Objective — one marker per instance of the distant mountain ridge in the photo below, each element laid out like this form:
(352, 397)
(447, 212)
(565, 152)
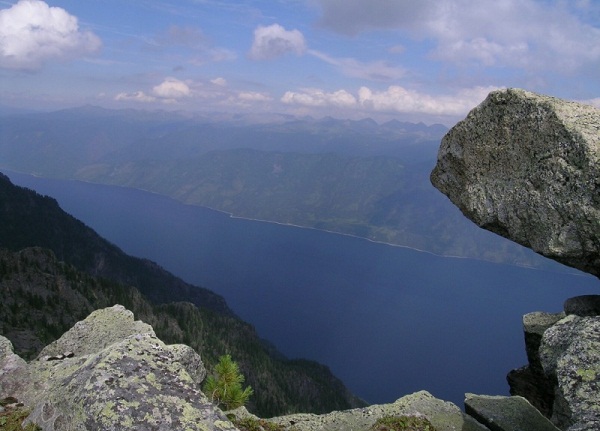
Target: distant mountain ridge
(354, 177)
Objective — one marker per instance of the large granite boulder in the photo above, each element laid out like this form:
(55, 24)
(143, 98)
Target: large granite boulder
(527, 167)
(110, 372)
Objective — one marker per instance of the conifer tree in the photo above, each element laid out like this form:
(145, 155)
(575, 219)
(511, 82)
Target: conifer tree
(225, 388)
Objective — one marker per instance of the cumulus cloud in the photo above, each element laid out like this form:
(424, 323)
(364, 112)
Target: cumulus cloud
(252, 96)
(169, 91)
(316, 97)
(274, 41)
(399, 99)
(394, 99)
(220, 81)
(530, 34)
(171, 88)
(32, 33)
(137, 96)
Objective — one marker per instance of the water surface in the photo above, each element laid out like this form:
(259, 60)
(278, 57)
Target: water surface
(387, 320)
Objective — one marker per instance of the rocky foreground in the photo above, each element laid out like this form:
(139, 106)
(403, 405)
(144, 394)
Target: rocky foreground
(110, 372)
(522, 165)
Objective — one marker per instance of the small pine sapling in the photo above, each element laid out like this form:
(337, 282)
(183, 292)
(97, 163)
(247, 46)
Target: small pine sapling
(225, 387)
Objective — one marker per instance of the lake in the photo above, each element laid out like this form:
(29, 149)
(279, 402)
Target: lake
(387, 320)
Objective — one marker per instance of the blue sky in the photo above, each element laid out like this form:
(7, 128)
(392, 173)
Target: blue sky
(425, 60)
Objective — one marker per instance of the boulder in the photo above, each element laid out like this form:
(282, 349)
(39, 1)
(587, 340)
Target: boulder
(526, 166)
(110, 372)
(13, 369)
(500, 413)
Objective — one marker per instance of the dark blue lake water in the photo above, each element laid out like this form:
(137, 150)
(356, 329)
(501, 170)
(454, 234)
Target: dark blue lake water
(387, 320)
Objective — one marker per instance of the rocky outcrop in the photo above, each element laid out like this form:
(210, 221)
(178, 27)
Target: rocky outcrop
(110, 372)
(563, 374)
(570, 356)
(527, 167)
(443, 415)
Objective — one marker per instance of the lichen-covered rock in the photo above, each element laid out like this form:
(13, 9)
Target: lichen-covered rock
(99, 330)
(501, 413)
(190, 360)
(443, 415)
(527, 167)
(570, 355)
(13, 369)
(117, 376)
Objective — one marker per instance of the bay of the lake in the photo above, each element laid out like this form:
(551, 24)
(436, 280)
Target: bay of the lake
(387, 320)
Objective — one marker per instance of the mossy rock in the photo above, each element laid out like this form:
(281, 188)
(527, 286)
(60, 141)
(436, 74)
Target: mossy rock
(402, 423)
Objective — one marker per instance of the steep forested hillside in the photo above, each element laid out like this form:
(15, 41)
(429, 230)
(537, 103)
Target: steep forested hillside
(71, 271)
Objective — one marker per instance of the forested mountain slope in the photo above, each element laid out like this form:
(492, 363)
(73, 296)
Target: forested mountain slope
(54, 271)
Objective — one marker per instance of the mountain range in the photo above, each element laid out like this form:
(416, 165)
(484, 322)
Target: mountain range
(353, 177)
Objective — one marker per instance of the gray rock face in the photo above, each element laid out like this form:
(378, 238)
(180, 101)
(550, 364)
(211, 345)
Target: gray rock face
(13, 369)
(117, 376)
(570, 356)
(531, 381)
(506, 413)
(527, 167)
(585, 305)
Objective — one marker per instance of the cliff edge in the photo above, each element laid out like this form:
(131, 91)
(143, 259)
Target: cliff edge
(527, 167)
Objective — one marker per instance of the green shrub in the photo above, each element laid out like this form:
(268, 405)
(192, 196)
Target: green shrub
(402, 423)
(12, 419)
(225, 388)
(252, 424)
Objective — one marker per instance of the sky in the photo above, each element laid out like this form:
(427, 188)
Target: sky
(420, 60)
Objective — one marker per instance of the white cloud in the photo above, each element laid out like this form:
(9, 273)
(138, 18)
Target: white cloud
(251, 96)
(394, 99)
(168, 92)
(171, 88)
(220, 81)
(399, 99)
(32, 33)
(137, 96)
(530, 34)
(274, 41)
(316, 97)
